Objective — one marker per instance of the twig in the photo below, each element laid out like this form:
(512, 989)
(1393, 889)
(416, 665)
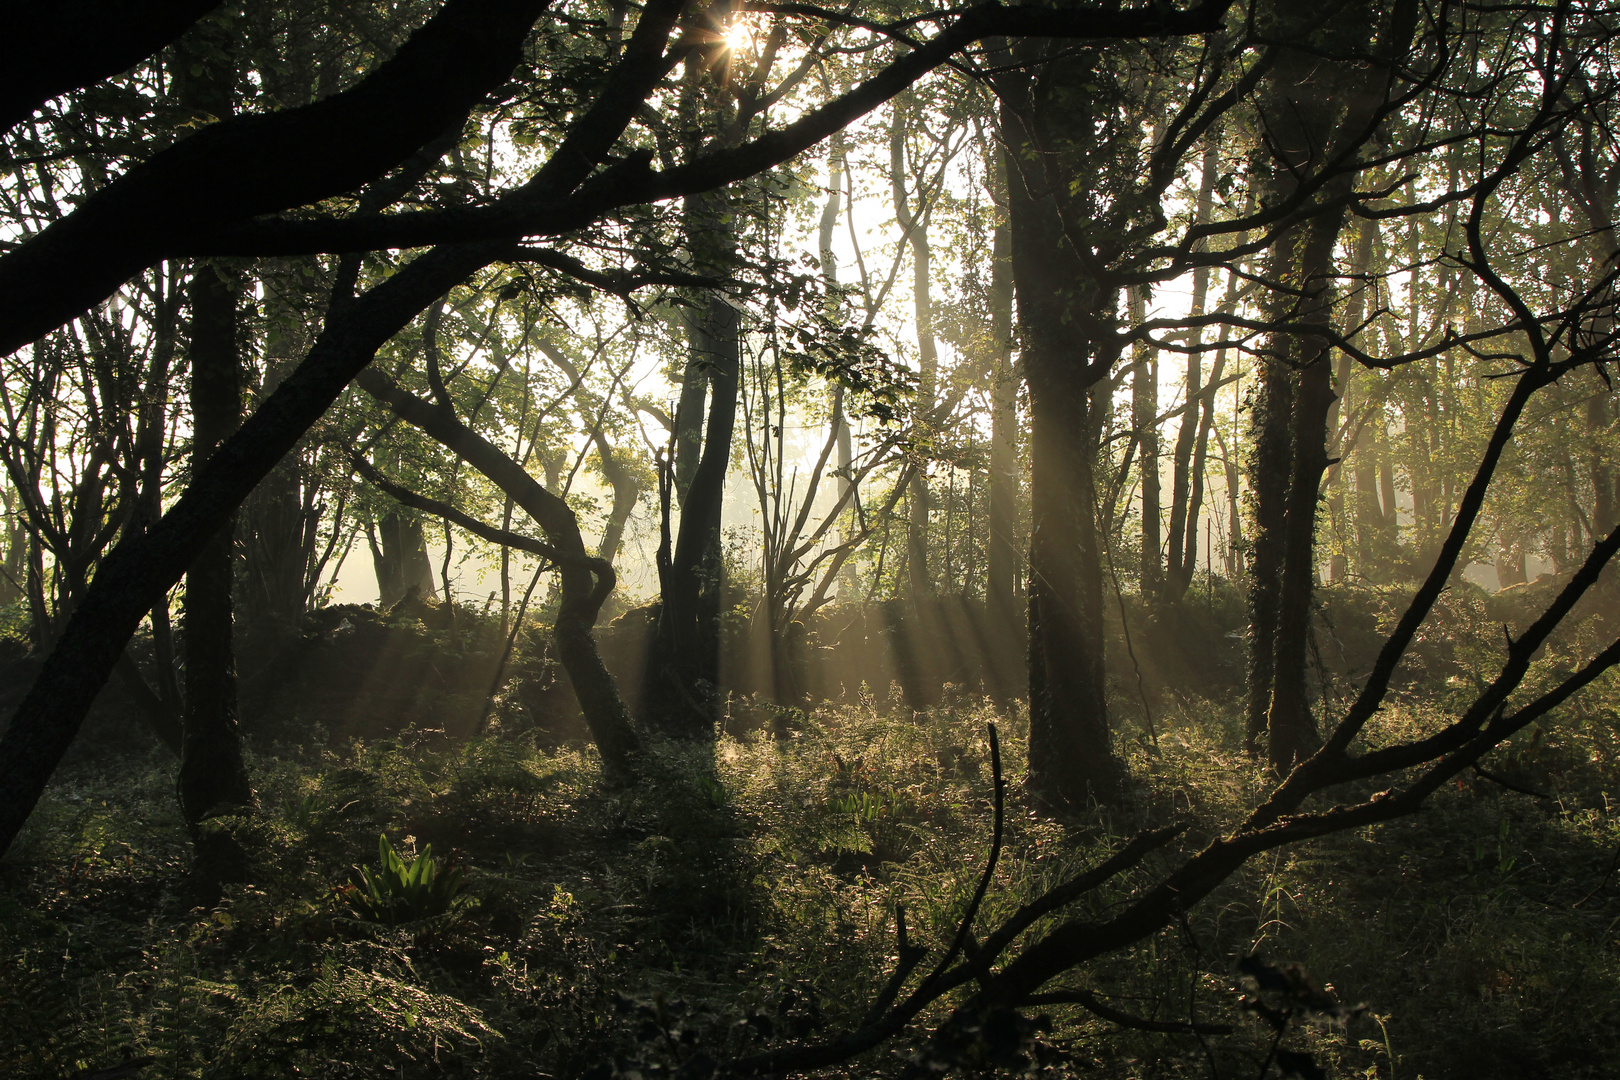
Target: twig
(1095, 1005)
(966, 927)
(910, 956)
(1510, 785)
(1604, 880)
(506, 654)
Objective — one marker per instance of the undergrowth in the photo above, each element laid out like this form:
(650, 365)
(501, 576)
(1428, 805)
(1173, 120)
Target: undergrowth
(748, 897)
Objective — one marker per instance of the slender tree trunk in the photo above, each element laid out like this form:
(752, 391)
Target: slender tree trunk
(1235, 543)
(1343, 445)
(1144, 420)
(1598, 422)
(689, 420)
(1186, 478)
(915, 225)
(844, 449)
(1002, 557)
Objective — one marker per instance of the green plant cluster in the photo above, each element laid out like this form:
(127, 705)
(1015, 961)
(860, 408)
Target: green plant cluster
(404, 890)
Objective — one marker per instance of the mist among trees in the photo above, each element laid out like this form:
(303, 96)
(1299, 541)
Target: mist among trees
(757, 539)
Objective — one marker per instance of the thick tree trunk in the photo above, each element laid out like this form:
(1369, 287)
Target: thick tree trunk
(213, 776)
(399, 558)
(1071, 758)
(1290, 725)
(1270, 453)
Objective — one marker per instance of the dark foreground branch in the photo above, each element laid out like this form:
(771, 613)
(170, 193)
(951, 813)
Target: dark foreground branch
(1097, 1007)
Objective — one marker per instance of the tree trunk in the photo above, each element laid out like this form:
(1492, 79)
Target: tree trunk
(1270, 453)
(843, 439)
(1290, 725)
(915, 226)
(1186, 475)
(1308, 125)
(689, 422)
(682, 680)
(1145, 423)
(212, 774)
(1002, 556)
(399, 557)
(1071, 758)
(586, 581)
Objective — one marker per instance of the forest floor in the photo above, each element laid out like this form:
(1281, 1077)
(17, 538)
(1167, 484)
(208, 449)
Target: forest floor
(747, 897)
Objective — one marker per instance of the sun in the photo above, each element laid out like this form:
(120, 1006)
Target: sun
(739, 35)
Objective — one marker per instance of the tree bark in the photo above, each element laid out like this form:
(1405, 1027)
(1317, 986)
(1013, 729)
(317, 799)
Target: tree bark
(1269, 467)
(682, 681)
(212, 773)
(213, 776)
(1071, 758)
(399, 558)
(914, 225)
(57, 47)
(1291, 728)
(1192, 435)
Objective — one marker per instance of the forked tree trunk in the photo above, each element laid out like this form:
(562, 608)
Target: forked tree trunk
(681, 695)
(1319, 111)
(1192, 435)
(586, 581)
(399, 558)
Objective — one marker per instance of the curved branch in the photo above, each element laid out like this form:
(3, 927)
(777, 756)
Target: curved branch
(262, 163)
(530, 211)
(1097, 1007)
(406, 497)
(61, 46)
